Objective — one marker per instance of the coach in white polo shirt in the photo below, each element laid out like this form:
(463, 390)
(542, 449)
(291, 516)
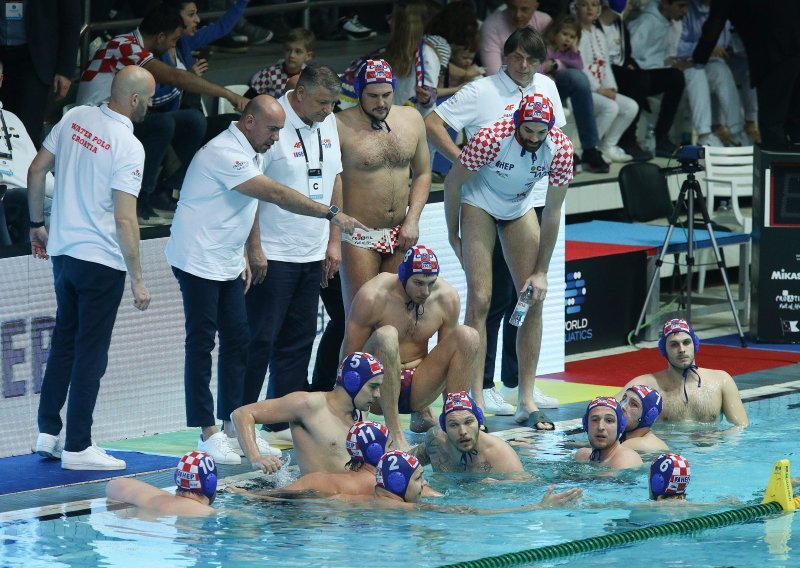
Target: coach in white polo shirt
(216, 213)
(301, 252)
(478, 104)
(93, 239)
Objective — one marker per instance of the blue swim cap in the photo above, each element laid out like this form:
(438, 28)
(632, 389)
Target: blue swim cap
(459, 401)
(616, 6)
(669, 475)
(366, 441)
(651, 404)
(400, 467)
(356, 370)
(675, 326)
(418, 259)
(373, 71)
(609, 402)
(197, 472)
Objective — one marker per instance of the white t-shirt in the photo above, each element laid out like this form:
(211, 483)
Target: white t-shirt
(96, 153)
(510, 182)
(484, 101)
(213, 220)
(287, 236)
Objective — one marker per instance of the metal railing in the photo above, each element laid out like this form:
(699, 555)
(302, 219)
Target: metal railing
(303, 5)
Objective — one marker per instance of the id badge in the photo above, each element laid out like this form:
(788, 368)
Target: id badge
(14, 10)
(315, 191)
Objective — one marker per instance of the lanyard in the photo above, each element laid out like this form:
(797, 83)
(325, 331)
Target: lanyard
(303, 146)
(7, 137)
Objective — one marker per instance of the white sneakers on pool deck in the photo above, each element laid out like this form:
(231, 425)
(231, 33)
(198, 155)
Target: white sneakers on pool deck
(263, 446)
(494, 403)
(219, 447)
(90, 459)
(541, 399)
(49, 446)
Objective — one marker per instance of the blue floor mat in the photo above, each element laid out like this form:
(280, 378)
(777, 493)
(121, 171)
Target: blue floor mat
(31, 471)
(732, 340)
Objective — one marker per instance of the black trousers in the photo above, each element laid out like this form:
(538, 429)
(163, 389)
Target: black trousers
(639, 84)
(22, 92)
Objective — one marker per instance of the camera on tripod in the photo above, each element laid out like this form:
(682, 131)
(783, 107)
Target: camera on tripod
(689, 157)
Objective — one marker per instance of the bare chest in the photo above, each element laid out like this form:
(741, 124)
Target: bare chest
(378, 149)
(704, 404)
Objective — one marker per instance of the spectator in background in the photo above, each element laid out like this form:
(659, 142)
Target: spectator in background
(654, 42)
(613, 111)
(737, 61)
(169, 97)
(158, 32)
(712, 79)
(770, 30)
(457, 24)
(282, 76)
(571, 83)
(39, 45)
(638, 83)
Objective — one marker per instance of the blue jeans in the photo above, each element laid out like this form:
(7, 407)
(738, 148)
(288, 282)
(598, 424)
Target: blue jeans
(184, 129)
(87, 297)
(574, 85)
(212, 306)
(282, 316)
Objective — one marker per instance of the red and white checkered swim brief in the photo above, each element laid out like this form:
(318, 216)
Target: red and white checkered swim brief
(383, 241)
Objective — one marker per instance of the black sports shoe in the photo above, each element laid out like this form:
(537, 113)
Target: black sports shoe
(594, 162)
(665, 148)
(638, 153)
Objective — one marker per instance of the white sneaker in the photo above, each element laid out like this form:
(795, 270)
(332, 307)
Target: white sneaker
(710, 140)
(355, 30)
(49, 446)
(542, 400)
(615, 153)
(510, 395)
(263, 447)
(90, 459)
(219, 447)
(494, 403)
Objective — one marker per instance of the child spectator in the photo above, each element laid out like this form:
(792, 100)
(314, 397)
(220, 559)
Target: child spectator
(461, 70)
(282, 76)
(562, 38)
(614, 112)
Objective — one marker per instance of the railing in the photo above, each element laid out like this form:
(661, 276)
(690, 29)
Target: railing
(303, 5)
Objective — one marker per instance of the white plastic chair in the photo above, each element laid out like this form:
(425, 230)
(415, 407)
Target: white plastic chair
(223, 105)
(729, 173)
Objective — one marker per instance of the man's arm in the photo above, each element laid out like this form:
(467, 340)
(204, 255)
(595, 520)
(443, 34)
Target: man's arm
(420, 187)
(333, 253)
(492, 45)
(37, 173)
(128, 237)
(255, 254)
(436, 129)
(263, 188)
(732, 405)
(548, 235)
(627, 459)
(140, 494)
(360, 321)
(453, 183)
(293, 407)
(451, 305)
(192, 83)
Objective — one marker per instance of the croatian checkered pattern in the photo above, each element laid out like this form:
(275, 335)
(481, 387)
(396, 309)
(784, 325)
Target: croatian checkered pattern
(484, 147)
(676, 326)
(458, 401)
(679, 477)
(116, 54)
(536, 108)
(388, 243)
(188, 466)
(271, 80)
(377, 71)
(608, 401)
(561, 166)
(641, 390)
(423, 260)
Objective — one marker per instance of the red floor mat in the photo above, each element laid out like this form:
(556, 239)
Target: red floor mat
(617, 370)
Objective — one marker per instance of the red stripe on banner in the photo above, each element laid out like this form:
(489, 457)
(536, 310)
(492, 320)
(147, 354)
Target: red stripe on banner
(617, 370)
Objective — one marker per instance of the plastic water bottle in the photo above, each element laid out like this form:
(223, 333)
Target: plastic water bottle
(523, 305)
(650, 140)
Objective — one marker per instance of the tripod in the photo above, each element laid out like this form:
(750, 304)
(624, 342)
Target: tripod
(690, 190)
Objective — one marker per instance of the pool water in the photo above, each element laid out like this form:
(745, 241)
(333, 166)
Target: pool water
(725, 470)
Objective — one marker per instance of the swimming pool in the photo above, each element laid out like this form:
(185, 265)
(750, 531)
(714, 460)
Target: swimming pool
(327, 534)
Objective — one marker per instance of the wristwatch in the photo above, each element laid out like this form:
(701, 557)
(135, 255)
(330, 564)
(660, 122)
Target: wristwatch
(332, 212)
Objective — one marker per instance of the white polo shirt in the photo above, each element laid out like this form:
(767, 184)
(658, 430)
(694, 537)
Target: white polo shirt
(287, 236)
(484, 101)
(213, 220)
(510, 182)
(95, 153)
